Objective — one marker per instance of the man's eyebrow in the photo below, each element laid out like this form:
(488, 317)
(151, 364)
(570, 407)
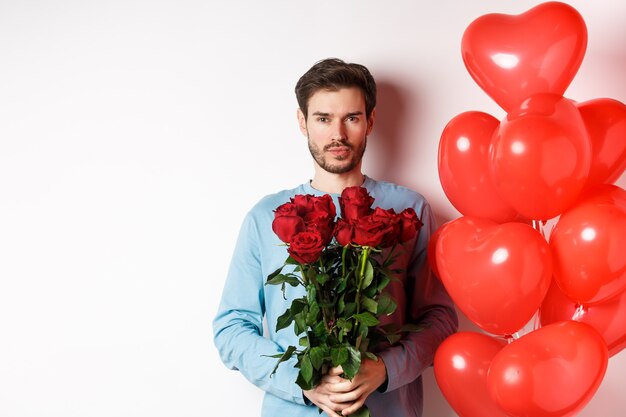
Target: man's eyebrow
(324, 114)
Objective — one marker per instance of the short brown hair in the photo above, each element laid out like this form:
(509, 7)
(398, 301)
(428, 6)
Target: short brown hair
(333, 74)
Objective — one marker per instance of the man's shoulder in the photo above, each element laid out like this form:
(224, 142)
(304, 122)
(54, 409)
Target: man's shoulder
(270, 202)
(401, 194)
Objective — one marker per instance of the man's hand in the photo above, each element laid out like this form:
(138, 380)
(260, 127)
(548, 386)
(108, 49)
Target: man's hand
(339, 395)
(320, 396)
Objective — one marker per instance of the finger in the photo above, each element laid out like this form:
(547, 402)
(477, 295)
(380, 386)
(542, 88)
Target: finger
(328, 379)
(329, 411)
(345, 397)
(340, 387)
(336, 371)
(354, 407)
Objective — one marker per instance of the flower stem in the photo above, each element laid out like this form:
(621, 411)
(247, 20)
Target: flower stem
(361, 275)
(322, 296)
(343, 261)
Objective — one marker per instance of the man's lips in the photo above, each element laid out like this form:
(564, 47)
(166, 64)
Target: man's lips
(339, 150)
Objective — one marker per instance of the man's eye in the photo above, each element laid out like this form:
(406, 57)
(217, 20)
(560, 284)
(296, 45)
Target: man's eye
(322, 119)
(352, 118)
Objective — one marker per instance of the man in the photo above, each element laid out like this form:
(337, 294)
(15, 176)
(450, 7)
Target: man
(336, 113)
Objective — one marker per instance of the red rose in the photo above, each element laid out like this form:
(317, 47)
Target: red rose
(409, 225)
(302, 203)
(325, 203)
(391, 226)
(306, 203)
(355, 202)
(287, 222)
(306, 247)
(370, 231)
(322, 222)
(343, 232)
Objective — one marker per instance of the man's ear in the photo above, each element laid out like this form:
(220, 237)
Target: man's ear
(302, 122)
(370, 121)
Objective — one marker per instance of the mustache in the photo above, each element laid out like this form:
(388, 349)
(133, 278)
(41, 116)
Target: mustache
(337, 144)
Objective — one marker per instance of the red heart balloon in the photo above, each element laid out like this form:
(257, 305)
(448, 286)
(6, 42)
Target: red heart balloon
(431, 250)
(541, 156)
(496, 274)
(608, 317)
(461, 365)
(512, 57)
(552, 371)
(605, 120)
(464, 167)
(588, 244)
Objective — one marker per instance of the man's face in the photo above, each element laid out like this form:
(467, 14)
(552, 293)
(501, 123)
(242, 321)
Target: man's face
(336, 128)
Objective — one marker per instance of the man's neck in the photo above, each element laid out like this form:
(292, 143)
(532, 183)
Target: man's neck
(335, 183)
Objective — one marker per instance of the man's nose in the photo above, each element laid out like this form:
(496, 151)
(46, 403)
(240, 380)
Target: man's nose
(339, 130)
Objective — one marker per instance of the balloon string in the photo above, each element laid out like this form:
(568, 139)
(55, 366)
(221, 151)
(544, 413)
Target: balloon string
(579, 312)
(539, 225)
(510, 338)
(537, 321)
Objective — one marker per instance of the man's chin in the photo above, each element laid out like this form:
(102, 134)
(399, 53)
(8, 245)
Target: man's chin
(339, 169)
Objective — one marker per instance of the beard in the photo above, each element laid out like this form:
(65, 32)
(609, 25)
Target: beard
(339, 165)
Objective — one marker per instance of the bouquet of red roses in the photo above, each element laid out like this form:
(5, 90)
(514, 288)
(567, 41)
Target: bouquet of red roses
(344, 265)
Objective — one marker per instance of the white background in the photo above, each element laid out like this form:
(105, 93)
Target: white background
(134, 135)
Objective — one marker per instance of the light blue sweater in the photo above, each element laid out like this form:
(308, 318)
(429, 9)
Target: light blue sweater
(242, 342)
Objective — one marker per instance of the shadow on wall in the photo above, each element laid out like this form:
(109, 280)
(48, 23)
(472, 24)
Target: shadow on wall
(612, 64)
(388, 142)
(390, 147)
(435, 404)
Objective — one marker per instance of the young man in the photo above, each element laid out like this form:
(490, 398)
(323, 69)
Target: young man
(336, 113)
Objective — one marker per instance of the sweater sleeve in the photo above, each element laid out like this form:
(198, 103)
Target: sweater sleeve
(429, 305)
(238, 324)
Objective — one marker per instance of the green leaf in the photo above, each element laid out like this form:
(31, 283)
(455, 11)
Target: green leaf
(342, 285)
(364, 345)
(273, 274)
(285, 356)
(284, 320)
(366, 318)
(383, 282)
(314, 311)
(306, 368)
(362, 330)
(386, 305)
(317, 355)
(281, 279)
(300, 321)
(370, 291)
(311, 294)
(339, 355)
(320, 330)
(322, 278)
(298, 305)
(304, 341)
(341, 305)
(278, 355)
(369, 304)
(305, 385)
(371, 356)
(345, 325)
(350, 309)
(310, 274)
(352, 364)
